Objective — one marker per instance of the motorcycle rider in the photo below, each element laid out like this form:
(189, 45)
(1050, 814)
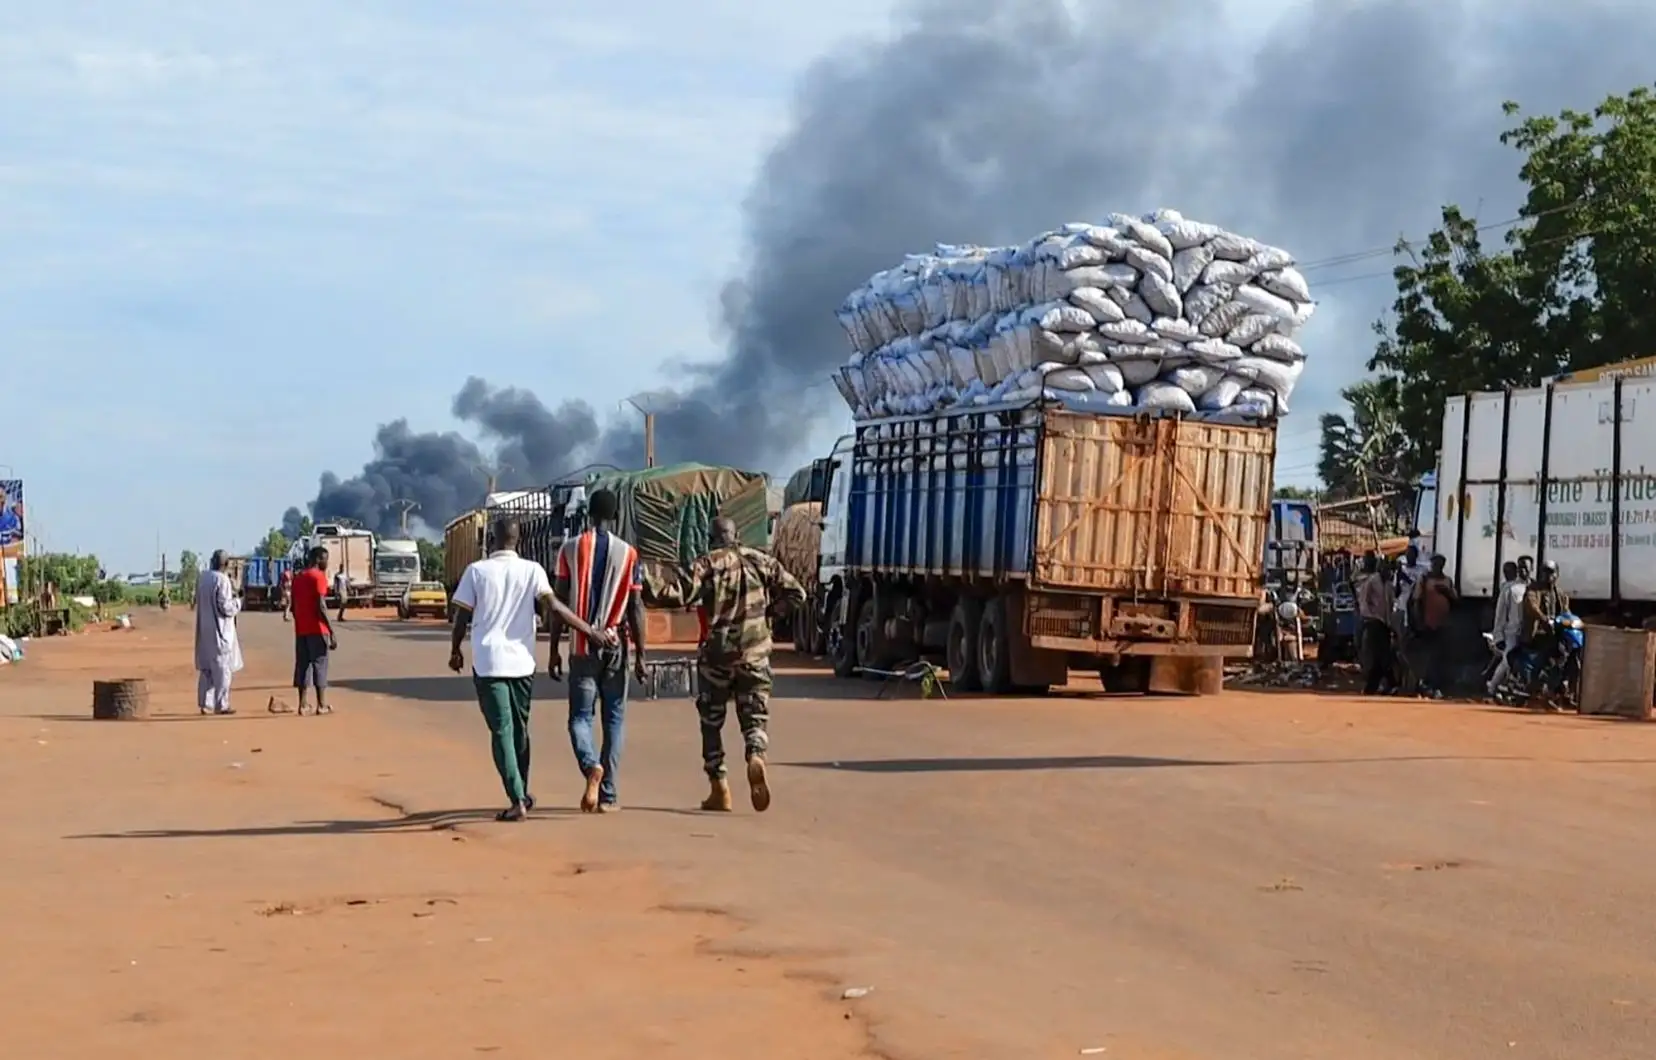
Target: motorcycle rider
(1509, 622)
(1543, 602)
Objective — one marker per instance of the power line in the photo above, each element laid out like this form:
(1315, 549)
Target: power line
(1388, 251)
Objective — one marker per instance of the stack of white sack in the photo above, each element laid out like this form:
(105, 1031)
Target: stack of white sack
(1148, 312)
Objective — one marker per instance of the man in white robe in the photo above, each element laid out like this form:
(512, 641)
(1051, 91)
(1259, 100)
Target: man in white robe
(217, 648)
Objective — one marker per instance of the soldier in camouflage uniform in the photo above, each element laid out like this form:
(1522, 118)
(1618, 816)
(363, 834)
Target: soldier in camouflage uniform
(735, 585)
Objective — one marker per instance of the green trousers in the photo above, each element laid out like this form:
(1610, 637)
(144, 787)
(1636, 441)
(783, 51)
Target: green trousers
(505, 703)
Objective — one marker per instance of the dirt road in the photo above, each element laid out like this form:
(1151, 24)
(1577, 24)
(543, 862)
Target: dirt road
(197, 888)
(1269, 876)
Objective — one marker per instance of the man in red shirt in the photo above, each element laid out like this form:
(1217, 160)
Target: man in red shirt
(313, 635)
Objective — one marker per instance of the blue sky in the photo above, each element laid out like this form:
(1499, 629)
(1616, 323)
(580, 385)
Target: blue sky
(242, 235)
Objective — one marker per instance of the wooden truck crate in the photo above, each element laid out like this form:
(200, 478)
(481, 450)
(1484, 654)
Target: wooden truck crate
(1618, 672)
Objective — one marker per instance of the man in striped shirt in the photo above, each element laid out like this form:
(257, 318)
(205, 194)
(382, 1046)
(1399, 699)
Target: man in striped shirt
(600, 581)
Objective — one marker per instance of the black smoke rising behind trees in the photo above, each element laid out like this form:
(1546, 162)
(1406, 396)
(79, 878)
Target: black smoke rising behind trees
(1340, 127)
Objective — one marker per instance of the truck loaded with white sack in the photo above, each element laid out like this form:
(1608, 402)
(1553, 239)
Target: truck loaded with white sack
(1063, 457)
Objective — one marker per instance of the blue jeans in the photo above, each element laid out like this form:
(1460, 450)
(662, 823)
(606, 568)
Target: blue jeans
(592, 690)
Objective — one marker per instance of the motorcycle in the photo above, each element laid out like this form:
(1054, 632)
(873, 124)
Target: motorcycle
(1550, 678)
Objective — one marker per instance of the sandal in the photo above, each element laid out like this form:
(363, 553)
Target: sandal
(510, 813)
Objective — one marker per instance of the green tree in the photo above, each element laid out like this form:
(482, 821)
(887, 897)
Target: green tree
(274, 545)
(189, 572)
(1365, 448)
(431, 559)
(1570, 289)
(1295, 493)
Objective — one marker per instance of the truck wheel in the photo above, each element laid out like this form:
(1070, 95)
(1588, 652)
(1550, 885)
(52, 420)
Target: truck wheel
(845, 650)
(961, 652)
(994, 669)
(867, 636)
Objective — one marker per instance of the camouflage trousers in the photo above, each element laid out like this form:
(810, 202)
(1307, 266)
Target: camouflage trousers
(748, 682)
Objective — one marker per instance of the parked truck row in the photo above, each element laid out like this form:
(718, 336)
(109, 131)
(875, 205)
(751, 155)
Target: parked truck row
(378, 571)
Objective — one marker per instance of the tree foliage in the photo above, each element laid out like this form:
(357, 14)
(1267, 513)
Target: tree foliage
(1363, 449)
(275, 544)
(431, 559)
(1569, 286)
(189, 572)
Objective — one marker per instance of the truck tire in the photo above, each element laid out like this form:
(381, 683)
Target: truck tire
(961, 652)
(994, 654)
(845, 651)
(866, 635)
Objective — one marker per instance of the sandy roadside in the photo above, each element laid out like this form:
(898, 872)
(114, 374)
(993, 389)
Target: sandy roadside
(210, 887)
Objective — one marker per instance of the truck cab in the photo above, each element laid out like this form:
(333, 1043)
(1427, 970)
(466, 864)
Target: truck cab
(396, 567)
(830, 486)
(1425, 514)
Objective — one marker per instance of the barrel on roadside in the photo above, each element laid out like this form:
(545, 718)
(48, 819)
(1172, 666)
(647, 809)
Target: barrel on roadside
(124, 699)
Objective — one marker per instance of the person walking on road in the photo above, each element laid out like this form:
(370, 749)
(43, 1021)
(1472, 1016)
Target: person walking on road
(496, 602)
(599, 578)
(313, 635)
(736, 585)
(218, 654)
(285, 594)
(1374, 608)
(342, 590)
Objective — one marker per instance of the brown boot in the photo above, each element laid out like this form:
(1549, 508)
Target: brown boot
(759, 783)
(718, 795)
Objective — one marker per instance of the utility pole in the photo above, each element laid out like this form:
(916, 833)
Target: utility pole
(403, 508)
(493, 475)
(644, 404)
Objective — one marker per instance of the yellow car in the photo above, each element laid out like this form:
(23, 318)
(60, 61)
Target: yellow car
(424, 599)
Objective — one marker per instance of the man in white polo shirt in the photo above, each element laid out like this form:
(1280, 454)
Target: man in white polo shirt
(496, 600)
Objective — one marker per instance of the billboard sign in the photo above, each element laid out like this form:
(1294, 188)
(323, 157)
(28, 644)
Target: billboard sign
(12, 530)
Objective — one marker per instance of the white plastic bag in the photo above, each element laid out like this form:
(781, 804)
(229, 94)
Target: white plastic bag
(1146, 236)
(1150, 263)
(1065, 378)
(1063, 317)
(1097, 305)
(1232, 272)
(1214, 351)
(1252, 328)
(1278, 347)
(1260, 300)
(1194, 379)
(1205, 298)
(1175, 328)
(1109, 240)
(1188, 266)
(1286, 282)
(1131, 332)
(1270, 258)
(1278, 377)
(1160, 395)
(1160, 295)
(1223, 319)
(1229, 246)
(1222, 394)
(1182, 234)
(1138, 309)
(1106, 377)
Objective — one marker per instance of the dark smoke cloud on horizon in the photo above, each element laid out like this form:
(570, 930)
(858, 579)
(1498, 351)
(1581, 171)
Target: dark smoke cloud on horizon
(979, 121)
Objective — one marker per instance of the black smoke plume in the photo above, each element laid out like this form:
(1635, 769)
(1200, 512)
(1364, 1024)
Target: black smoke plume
(989, 121)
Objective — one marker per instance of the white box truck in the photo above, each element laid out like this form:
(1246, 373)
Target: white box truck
(1563, 472)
